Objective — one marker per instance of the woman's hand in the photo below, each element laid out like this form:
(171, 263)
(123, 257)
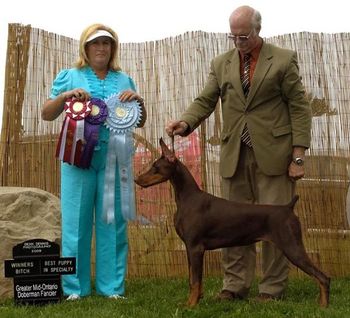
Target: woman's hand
(129, 95)
(78, 93)
(52, 108)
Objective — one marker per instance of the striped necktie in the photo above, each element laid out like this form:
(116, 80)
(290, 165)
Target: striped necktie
(245, 137)
(246, 74)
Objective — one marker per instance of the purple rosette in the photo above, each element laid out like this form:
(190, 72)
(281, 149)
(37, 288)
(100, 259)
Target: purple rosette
(99, 112)
(97, 116)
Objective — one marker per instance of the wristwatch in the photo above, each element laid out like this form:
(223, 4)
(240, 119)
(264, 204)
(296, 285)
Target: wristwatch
(298, 161)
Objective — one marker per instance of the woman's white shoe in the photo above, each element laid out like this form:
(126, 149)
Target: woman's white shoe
(116, 296)
(73, 297)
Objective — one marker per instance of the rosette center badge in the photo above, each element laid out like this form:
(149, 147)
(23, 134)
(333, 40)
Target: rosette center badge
(122, 116)
(120, 112)
(78, 107)
(95, 110)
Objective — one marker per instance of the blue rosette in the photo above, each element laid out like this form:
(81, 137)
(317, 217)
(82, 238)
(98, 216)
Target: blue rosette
(122, 118)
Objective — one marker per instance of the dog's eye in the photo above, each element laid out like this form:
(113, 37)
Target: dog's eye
(155, 168)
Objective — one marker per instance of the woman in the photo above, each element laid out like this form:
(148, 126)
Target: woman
(97, 74)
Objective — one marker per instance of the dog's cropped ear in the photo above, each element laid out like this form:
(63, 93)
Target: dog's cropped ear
(166, 152)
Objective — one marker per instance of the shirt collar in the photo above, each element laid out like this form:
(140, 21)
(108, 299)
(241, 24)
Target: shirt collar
(255, 52)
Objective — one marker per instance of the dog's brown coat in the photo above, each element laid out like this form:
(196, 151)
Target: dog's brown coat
(206, 222)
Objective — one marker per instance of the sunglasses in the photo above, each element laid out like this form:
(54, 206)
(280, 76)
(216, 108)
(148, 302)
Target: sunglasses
(242, 38)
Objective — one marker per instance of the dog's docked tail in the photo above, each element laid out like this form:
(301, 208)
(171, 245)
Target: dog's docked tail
(292, 203)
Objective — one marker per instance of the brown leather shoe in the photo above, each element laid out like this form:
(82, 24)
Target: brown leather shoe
(263, 297)
(228, 295)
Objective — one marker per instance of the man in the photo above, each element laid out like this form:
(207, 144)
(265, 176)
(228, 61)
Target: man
(266, 130)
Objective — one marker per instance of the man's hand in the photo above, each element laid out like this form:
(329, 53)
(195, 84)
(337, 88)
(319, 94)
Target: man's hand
(295, 172)
(176, 127)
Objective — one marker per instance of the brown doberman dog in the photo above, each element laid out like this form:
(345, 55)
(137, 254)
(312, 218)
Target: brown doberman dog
(206, 222)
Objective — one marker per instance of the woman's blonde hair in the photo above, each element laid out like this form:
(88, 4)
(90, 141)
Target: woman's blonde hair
(83, 59)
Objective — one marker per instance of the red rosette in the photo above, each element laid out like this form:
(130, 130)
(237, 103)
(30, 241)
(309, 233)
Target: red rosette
(71, 141)
(77, 109)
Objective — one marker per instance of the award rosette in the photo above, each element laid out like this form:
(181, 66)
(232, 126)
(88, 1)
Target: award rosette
(71, 140)
(96, 117)
(122, 118)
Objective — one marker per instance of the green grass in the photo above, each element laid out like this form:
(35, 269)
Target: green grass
(165, 298)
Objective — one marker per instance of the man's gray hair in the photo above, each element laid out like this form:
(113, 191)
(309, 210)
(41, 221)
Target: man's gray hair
(256, 20)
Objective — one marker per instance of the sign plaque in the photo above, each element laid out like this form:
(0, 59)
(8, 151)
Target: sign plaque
(36, 269)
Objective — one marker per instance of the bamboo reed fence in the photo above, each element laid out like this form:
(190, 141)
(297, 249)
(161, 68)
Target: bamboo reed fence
(169, 74)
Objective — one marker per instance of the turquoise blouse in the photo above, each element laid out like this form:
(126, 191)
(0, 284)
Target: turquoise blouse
(86, 79)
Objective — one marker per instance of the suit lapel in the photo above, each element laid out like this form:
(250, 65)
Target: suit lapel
(233, 73)
(262, 67)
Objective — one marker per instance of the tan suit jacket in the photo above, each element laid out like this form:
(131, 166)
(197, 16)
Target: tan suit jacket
(276, 111)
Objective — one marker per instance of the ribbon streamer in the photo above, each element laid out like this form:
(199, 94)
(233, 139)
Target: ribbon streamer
(70, 144)
(96, 117)
(122, 118)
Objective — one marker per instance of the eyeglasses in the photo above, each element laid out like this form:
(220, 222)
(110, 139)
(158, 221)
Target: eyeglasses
(242, 38)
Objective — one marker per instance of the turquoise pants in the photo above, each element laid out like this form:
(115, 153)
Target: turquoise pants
(82, 209)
